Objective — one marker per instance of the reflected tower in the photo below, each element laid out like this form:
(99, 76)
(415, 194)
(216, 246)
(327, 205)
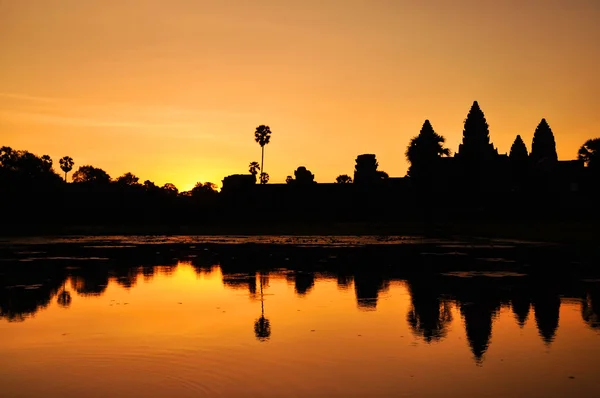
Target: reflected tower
(367, 287)
(479, 315)
(521, 305)
(303, 281)
(546, 308)
(429, 316)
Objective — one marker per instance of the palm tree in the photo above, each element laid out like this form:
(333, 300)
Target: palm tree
(64, 296)
(262, 326)
(47, 161)
(262, 136)
(264, 178)
(66, 165)
(254, 168)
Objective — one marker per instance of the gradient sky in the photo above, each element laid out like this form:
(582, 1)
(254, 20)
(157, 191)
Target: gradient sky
(172, 90)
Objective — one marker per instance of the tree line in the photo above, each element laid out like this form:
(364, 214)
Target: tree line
(30, 183)
(423, 153)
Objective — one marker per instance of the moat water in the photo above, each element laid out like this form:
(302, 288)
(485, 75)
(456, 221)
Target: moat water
(110, 318)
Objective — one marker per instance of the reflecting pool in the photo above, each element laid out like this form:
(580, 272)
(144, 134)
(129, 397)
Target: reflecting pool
(95, 320)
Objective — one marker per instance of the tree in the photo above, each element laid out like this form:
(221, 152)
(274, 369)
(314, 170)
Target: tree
(170, 189)
(66, 165)
(589, 154)
(476, 146)
(264, 178)
(208, 189)
(262, 136)
(543, 146)
(91, 174)
(7, 156)
(304, 176)
(64, 298)
(150, 186)
(343, 179)
(47, 162)
(262, 326)
(423, 153)
(289, 180)
(22, 170)
(128, 179)
(254, 168)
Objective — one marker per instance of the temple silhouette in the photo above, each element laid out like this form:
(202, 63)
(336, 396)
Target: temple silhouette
(476, 182)
(475, 179)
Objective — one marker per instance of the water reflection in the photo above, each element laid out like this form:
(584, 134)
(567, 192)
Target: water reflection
(28, 287)
(590, 308)
(546, 307)
(24, 291)
(520, 304)
(368, 286)
(262, 326)
(303, 281)
(429, 315)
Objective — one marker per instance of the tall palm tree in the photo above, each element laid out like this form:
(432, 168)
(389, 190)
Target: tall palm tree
(66, 165)
(262, 136)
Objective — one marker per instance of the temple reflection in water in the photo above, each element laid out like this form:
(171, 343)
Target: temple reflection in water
(478, 300)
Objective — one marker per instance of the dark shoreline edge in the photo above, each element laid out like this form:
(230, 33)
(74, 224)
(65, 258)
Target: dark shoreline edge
(580, 232)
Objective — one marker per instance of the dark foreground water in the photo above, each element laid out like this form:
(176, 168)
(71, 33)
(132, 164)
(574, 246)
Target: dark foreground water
(344, 317)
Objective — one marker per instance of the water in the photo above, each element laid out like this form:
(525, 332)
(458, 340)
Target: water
(121, 317)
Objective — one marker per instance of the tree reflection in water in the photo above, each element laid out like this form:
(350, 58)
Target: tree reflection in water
(590, 307)
(262, 326)
(26, 288)
(64, 296)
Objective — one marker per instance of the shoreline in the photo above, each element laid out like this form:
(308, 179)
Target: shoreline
(561, 232)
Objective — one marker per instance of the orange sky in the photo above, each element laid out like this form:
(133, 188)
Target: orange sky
(172, 90)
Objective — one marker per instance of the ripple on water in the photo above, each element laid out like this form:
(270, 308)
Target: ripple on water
(182, 372)
(488, 274)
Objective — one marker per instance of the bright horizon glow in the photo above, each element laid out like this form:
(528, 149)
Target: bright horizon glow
(172, 91)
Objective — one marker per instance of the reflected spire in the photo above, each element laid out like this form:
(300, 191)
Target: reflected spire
(547, 308)
(520, 307)
(478, 318)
